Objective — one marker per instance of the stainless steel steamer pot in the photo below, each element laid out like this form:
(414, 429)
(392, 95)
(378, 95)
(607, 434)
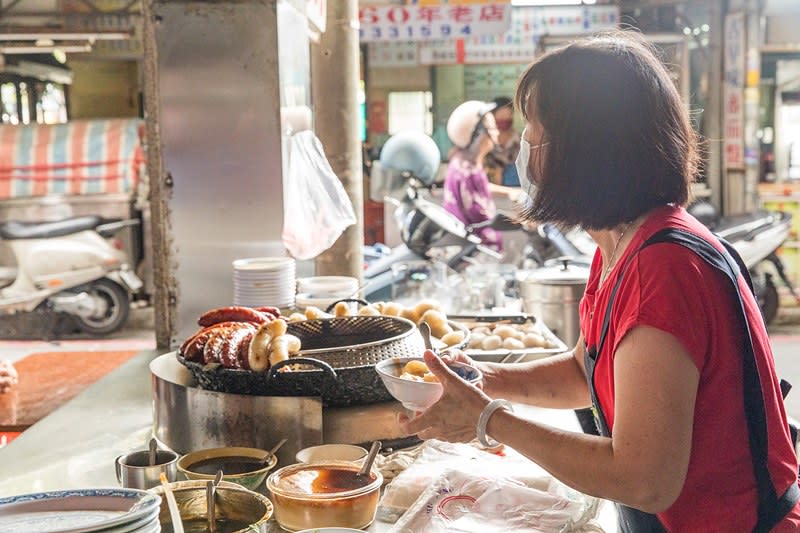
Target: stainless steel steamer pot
(553, 293)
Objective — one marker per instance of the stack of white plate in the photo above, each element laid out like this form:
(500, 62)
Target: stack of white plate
(82, 511)
(261, 281)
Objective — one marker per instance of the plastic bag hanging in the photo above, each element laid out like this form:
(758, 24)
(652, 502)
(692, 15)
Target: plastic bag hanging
(316, 207)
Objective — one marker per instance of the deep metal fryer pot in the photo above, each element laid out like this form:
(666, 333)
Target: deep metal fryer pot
(187, 418)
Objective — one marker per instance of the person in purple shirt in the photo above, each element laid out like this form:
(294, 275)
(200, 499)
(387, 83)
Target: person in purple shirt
(467, 190)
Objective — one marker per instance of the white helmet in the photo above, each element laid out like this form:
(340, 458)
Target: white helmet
(465, 122)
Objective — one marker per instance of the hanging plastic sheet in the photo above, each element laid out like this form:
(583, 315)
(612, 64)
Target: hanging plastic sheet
(316, 207)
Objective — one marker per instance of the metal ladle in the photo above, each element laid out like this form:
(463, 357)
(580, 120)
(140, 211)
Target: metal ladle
(373, 453)
(211, 501)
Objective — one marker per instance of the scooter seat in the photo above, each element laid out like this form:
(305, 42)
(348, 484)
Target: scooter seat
(745, 226)
(15, 229)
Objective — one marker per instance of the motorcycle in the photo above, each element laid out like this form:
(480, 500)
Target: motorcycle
(757, 237)
(69, 266)
(428, 232)
(546, 244)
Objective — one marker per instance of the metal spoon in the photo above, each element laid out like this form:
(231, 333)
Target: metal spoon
(267, 458)
(425, 330)
(153, 451)
(211, 501)
(361, 288)
(373, 453)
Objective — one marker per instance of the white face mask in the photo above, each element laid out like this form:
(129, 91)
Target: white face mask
(523, 164)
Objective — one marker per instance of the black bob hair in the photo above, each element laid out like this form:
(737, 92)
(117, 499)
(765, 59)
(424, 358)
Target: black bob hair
(619, 140)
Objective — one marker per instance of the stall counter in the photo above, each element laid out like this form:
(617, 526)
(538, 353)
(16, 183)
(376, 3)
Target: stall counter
(75, 446)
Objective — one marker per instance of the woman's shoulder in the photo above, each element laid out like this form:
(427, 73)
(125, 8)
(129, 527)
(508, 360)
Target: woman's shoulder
(671, 216)
(674, 258)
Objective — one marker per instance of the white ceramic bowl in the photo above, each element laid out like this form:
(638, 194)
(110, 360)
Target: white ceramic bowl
(328, 286)
(331, 452)
(418, 395)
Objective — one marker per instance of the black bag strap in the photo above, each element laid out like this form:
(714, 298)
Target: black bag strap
(771, 509)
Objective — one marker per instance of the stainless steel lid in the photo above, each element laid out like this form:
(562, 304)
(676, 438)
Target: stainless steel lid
(565, 272)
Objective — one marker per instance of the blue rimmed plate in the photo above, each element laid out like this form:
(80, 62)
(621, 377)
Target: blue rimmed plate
(75, 511)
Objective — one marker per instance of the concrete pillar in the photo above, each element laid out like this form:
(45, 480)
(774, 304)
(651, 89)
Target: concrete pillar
(335, 81)
(714, 134)
(754, 40)
(164, 297)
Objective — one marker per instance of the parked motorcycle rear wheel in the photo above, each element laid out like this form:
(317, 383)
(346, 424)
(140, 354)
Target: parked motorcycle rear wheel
(116, 314)
(769, 302)
(766, 294)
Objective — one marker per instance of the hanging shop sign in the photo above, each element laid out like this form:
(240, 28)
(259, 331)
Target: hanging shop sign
(454, 2)
(518, 44)
(391, 23)
(393, 55)
(733, 90)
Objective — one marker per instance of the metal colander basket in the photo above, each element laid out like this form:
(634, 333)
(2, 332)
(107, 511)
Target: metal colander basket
(337, 362)
(357, 340)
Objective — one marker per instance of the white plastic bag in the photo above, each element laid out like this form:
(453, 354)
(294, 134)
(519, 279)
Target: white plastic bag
(316, 207)
(461, 501)
(434, 457)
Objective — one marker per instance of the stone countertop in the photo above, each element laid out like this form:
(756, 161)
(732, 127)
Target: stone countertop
(75, 445)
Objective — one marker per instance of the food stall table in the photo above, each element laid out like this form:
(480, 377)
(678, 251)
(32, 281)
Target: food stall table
(76, 445)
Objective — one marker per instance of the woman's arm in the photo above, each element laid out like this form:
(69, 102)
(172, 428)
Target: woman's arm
(513, 193)
(644, 465)
(555, 382)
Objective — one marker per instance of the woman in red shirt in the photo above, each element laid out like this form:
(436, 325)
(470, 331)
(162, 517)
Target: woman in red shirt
(608, 147)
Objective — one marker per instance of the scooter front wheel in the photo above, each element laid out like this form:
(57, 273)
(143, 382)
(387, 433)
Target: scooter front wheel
(117, 307)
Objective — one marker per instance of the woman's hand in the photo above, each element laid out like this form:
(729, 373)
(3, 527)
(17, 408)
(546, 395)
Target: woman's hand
(455, 416)
(458, 356)
(8, 375)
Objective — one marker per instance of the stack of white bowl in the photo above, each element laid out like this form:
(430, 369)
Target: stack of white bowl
(321, 291)
(262, 281)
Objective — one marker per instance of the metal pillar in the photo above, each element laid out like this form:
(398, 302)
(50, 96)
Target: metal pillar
(214, 138)
(219, 92)
(335, 80)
